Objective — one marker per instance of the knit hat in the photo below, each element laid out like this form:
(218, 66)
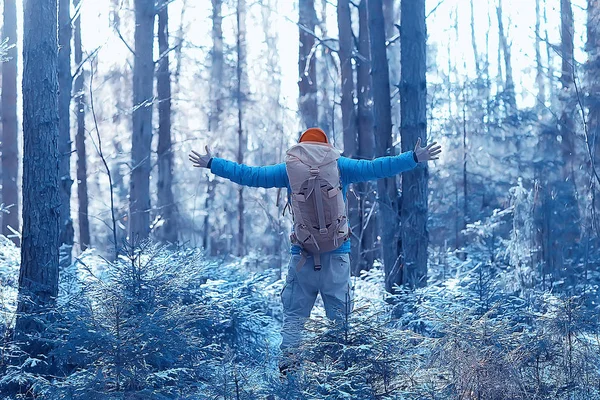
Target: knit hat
(314, 135)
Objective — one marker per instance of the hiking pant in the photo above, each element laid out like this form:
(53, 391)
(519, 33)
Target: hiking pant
(300, 292)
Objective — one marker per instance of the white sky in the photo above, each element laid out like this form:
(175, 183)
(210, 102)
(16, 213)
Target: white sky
(519, 19)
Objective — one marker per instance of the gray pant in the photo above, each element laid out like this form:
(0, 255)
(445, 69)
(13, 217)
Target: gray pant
(300, 292)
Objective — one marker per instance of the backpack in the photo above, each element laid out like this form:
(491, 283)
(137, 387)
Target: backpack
(317, 202)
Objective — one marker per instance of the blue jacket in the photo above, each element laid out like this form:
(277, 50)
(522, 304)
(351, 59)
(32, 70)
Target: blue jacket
(351, 171)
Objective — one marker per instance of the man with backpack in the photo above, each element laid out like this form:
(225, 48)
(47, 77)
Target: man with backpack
(316, 176)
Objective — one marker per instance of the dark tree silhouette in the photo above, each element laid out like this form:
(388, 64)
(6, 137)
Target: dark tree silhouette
(82, 189)
(216, 70)
(382, 119)
(307, 64)
(38, 276)
(166, 202)
(10, 150)
(344, 20)
(242, 78)
(593, 74)
(347, 74)
(143, 78)
(366, 143)
(505, 48)
(65, 84)
(216, 96)
(413, 95)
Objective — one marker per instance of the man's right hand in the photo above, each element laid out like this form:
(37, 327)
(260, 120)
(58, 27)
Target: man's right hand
(200, 160)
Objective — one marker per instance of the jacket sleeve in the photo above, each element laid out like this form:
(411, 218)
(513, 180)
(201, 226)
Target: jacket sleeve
(352, 171)
(266, 177)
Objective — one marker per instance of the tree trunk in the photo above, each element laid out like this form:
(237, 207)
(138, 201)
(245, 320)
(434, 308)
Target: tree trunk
(567, 78)
(541, 96)
(38, 275)
(474, 43)
(505, 46)
(593, 76)
(344, 20)
(307, 83)
(567, 207)
(413, 95)
(143, 78)
(391, 20)
(366, 145)
(326, 65)
(166, 202)
(387, 190)
(216, 70)
(65, 83)
(9, 145)
(242, 144)
(217, 95)
(550, 56)
(82, 191)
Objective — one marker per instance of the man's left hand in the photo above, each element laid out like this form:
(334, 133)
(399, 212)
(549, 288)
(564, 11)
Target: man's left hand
(430, 152)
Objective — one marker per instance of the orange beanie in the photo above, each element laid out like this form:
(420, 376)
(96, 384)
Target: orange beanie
(314, 135)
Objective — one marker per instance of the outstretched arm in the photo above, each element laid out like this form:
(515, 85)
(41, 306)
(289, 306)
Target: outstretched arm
(266, 177)
(384, 167)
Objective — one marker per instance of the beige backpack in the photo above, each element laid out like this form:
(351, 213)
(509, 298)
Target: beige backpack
(318, 207)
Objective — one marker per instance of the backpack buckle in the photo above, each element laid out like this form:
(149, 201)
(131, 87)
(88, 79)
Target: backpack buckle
(314, 171)
(323, 231)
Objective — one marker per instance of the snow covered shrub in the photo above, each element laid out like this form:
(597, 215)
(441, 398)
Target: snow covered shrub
(156, 323)
(483, 342)
(521, 244)
(10, 259)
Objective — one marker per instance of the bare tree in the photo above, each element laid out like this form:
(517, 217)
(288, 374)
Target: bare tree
(413, 95)
(82, 190)
(10, 150)
(307, 83)
(65, 84)
(143, 78)
(166, 202)
(38, 275)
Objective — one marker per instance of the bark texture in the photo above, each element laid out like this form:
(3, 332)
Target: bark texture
(382, 123)
(413, 94)
(38, 275)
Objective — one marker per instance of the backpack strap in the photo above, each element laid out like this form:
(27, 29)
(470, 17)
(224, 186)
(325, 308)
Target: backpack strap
(315, 188)
(304, 255)
(317, 257)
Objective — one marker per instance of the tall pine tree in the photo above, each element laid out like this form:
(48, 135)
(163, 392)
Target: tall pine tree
(38, 275)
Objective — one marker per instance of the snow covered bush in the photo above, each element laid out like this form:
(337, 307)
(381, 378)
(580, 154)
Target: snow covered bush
(155, 323)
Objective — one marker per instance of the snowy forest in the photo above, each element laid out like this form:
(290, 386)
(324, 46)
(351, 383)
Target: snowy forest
(129, 272)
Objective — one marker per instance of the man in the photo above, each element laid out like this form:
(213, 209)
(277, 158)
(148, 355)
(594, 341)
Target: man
(330, 275)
